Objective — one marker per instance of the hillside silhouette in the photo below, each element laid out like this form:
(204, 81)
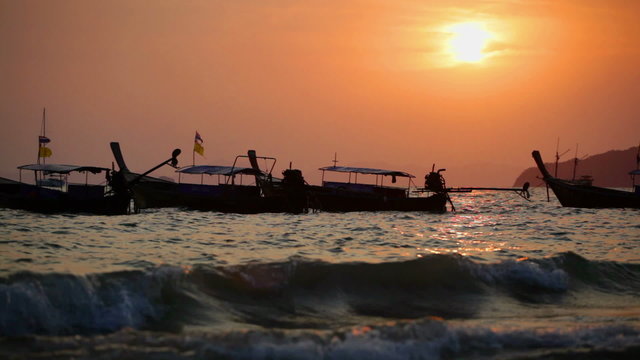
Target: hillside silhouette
(609, 169)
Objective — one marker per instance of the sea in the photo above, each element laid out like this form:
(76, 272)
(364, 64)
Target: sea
(499, 278)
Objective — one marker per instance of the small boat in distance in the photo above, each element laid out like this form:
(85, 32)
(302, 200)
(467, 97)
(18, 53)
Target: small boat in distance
(340, 196)
(572, 194)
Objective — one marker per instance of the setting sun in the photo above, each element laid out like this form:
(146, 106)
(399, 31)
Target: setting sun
(468, 41)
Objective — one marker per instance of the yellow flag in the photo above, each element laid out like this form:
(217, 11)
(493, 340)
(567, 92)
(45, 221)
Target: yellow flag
(44, 152)
(198, 148)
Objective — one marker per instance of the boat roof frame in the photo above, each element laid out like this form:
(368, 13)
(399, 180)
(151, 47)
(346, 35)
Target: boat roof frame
(366, 171)
(215, 170)
(229, 172)
(266, 158)
(369, 171)
(63, 168)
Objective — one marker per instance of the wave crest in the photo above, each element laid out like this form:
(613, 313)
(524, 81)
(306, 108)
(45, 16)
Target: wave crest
(297, 293)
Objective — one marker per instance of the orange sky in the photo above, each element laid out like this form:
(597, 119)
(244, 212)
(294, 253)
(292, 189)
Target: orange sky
(300, 80)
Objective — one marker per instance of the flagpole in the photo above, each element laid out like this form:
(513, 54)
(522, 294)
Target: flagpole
(44, 128)
(43, 131)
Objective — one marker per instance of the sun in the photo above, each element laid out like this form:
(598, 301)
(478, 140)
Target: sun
(468, 41)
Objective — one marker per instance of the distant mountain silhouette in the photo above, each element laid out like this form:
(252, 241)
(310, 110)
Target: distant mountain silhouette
(610, 169)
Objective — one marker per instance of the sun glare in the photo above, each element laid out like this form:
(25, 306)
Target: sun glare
(468, 41)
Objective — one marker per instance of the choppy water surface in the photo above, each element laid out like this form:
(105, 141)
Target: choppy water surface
(499, 278)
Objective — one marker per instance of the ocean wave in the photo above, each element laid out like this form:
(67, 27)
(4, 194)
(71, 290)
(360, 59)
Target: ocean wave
(294, 294)
(67, 304)
(420, 339)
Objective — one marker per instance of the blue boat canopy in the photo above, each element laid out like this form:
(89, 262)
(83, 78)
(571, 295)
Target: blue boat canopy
(368, 171)
(62, 169)
(216, 170)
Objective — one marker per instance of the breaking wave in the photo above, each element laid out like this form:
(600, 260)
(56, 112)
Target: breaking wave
(295, 294)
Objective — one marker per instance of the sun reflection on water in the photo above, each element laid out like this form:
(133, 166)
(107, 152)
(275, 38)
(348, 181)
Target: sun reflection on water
(487, 227)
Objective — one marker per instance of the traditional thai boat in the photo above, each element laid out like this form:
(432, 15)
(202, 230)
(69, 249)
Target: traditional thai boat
(353, 196)
(226, 195)
(572, 194)
(152, 192)
(53, 193)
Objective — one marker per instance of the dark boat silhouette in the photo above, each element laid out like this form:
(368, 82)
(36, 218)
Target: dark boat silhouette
(225, 196)
(353, 196)
(579, 195)
(53, 193)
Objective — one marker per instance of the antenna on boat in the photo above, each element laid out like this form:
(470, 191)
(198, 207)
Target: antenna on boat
(43, 133)
(335, 159)
(555, 173)
(575, 163)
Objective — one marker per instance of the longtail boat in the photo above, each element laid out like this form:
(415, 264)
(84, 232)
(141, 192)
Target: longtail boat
(580, 195)
(227, 195)
(340, 196)
(52, 191)
(152, 192)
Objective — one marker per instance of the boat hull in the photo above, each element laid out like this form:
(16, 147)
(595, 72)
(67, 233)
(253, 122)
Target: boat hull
(82, 199)
(575, 195)
(242, 199)
(198, 197)
(336, 200)
(585, 196)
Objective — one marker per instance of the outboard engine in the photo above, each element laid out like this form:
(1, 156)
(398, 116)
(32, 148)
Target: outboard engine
(295, 190)
(434, 181)
(293, 177)
(122, 195)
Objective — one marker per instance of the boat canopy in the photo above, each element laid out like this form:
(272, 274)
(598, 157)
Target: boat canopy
(62, 169)
(216, 170)
(368, 171)
(634, 172)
